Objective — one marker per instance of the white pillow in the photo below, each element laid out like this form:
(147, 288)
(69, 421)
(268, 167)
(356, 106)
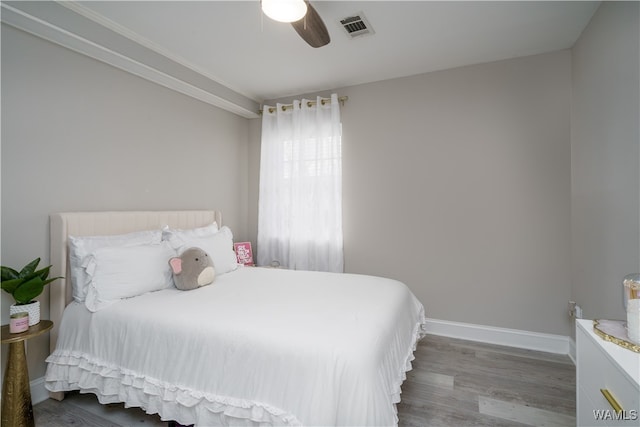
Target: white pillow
(82, 247)
(124, 272)
(176, 233)
(219, 246)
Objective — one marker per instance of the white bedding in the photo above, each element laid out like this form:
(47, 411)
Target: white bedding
(273, 346)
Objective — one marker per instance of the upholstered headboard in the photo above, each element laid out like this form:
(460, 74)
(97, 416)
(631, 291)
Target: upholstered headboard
(100, 224)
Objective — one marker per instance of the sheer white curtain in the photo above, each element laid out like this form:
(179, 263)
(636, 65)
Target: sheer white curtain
(300, 204)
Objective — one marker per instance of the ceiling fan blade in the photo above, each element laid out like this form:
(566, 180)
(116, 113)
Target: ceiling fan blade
(312, 29)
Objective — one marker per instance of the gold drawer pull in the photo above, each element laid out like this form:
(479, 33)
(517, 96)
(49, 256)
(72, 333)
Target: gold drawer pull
(612, 400)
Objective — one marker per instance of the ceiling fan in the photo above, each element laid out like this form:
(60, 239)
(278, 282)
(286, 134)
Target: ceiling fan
(303, 17)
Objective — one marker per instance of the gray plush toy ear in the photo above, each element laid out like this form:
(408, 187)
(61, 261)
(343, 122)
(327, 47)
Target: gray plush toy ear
(192, 269)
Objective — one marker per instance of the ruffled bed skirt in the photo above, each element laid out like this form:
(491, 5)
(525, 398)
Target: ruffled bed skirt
(111, 384)
(68, 372)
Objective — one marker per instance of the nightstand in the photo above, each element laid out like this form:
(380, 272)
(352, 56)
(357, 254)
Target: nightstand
(608, 381)
(16, 395)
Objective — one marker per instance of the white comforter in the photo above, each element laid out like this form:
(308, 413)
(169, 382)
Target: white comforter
(273, 346)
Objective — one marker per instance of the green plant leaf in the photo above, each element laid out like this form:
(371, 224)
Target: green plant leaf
(40, 273)
(28, 269)
(44, 273)
(28, 290)
(8, 273)
(11, 285)
(46, 282)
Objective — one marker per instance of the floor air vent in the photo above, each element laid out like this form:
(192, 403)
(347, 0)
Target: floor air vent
(356, 25)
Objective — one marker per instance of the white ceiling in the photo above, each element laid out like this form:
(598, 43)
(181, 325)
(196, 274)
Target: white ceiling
(233, 44)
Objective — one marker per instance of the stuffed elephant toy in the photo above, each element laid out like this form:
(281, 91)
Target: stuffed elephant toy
(192, 269)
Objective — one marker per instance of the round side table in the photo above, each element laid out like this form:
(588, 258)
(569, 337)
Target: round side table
(16, 395)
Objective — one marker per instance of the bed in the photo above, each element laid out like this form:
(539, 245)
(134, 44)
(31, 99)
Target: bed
(259, 346)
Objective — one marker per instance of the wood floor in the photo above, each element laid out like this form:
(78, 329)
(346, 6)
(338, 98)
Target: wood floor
(453, 383)
(462, 383)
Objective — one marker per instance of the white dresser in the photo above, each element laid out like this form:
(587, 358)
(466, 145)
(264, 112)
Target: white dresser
(605, 368)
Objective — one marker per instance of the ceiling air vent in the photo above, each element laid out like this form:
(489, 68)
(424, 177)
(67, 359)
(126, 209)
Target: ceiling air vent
(356, 25)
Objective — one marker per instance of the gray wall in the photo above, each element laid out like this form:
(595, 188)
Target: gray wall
(81, 135)
(605, 159)
(458, 183)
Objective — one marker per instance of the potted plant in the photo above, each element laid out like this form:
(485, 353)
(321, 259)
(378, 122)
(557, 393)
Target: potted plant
(25, 285)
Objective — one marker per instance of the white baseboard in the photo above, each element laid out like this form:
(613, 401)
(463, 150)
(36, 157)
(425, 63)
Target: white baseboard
(502, 336)
(38, 392)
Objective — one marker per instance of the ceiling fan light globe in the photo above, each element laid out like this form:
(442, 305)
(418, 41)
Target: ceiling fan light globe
(284, 10)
